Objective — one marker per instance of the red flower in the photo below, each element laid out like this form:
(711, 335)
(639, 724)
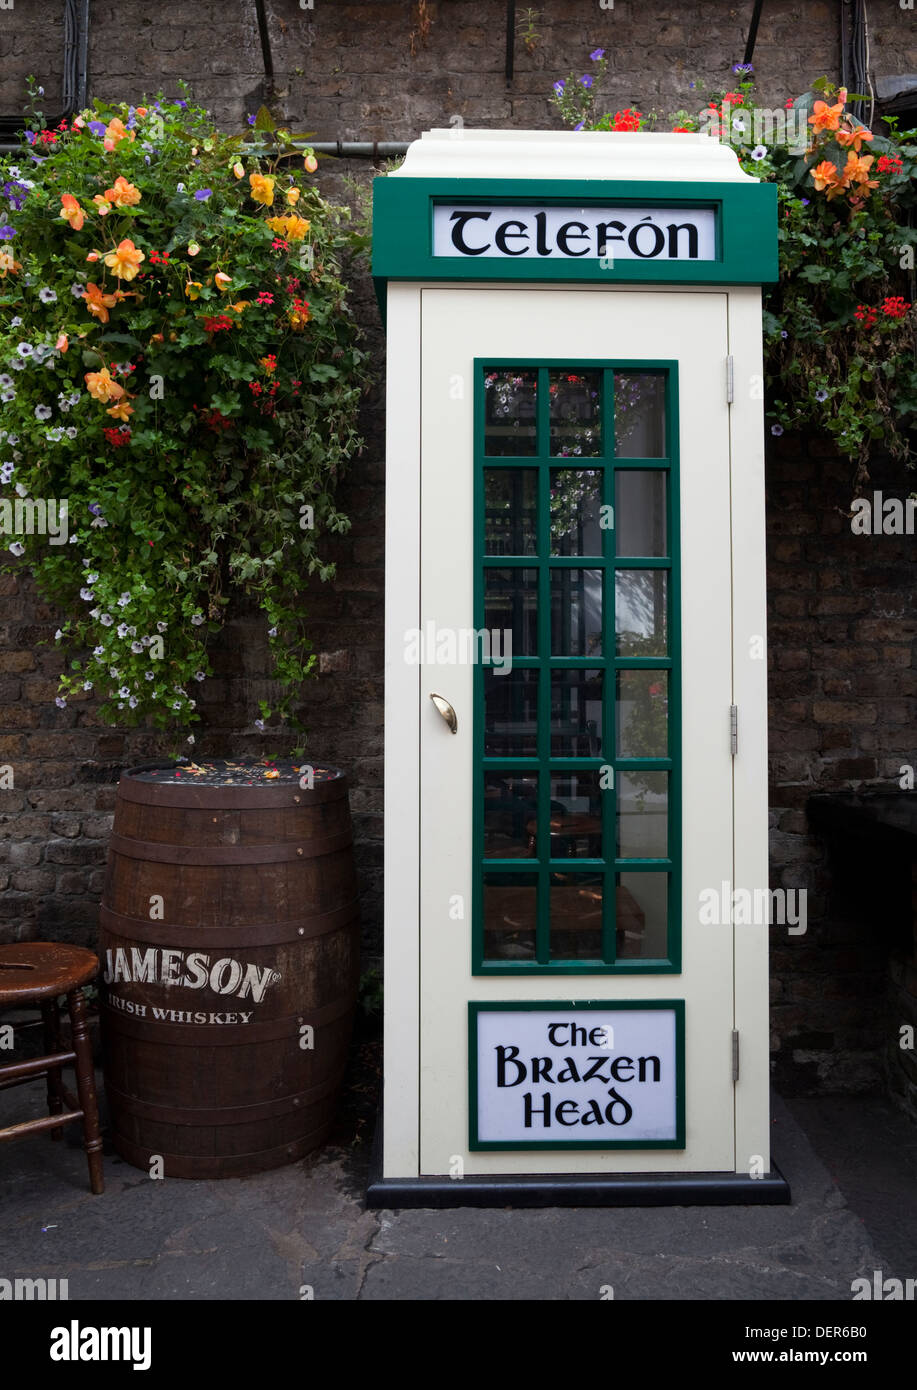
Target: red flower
(889, 164)
(265, 298)
(117, 438)
(865, 314)
(896, 308)
(219, 324)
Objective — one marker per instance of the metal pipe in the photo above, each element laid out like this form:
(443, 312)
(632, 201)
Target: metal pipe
(510, 38)
(753, 31)
(266, 55)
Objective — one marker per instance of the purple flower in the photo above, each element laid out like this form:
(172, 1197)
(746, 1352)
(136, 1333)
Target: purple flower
(743, 67)
(251, 119)
(585, 80)
(596, 54)
(61, 704)
(558, 87)
(821, 395)
(95, 508)
(805, 202)
(182, 104)
(776, 429)
(783, 333)
(579, 126)
(97, 128)
(31, 136)
(203, 194)
(7, 232)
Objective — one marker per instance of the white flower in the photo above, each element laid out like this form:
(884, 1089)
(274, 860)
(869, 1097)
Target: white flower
(58, 635)
(87, 595)
(87, 685)
(47, 295)
(91, 578)
(61, 704)
(272, 632)
(75, 398)
(120, 704)
(21, 490)
(190, 739)
(161, 627)
(122, 629)
(99, 521)
(5, 380)
(259, 725)
(759, 152)
(43, 412)
(74, 540)
(25, 349)
(106, 620)
(176, 704)
(63, 401)
(136, 648)
(115, 674)
(149, 676)
(94, 612)
(14, 171)
(124, 600)
(78, 291)
(55, 435)
(133, 702)
(17, 548)
(71, 432)
(16, 322)
(180, 187)
(199, 676)
(8, 395)
(17, 364)
(98, 651)
(146, 641)
(197, 619)
(124, 691)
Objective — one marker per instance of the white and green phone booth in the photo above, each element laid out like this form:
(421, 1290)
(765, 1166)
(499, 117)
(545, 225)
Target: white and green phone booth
(575, 705)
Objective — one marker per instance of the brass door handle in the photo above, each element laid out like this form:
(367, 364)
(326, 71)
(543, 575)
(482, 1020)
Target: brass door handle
(444, 708)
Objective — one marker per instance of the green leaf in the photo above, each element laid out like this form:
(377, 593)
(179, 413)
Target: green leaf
(264, 120)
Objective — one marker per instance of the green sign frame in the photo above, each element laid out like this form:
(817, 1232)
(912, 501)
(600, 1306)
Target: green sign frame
(476, 1007)
(746, 220)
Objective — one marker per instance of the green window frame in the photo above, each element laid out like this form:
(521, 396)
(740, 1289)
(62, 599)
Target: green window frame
(543, 763)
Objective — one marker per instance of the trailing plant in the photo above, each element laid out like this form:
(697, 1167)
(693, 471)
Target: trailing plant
(180, 373)
(840, 325)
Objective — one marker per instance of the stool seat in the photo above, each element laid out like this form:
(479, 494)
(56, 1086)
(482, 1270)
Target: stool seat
(43, 970)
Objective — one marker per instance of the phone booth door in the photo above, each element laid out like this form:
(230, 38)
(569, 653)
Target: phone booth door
(575, 520)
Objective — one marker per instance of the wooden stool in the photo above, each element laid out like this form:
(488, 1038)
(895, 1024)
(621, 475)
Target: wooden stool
(38, 972)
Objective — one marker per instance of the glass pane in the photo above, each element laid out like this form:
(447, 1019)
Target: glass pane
(576, 816)
(643, 815)
(640, 612)
(509, 511)
(642, 714)
(576, 612)
(641, 905)
(511, 608)
(576, 917)
(576, 500)
(510, 902)
(576, 414)
(509, 413)
(640, 520)
(576, 714)
(510, 809)
(510, 713)
(639, 415)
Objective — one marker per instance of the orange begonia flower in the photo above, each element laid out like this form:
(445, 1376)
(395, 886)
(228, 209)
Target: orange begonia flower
(193, 289)
(141, 110)
(310, 163)
(125, 260)
(298, 319)
(240, 306)
(262, 187)
(853, 138)
(115, 131)
(98, 303)
(826, 117)
(291, 227)
(824, 174)
(221, 280)
(101, 386)
(63, 342)
(239, 170)
(71, 210)
(122, 411)
(269, 364)
(93, 255)
(8, 262)
(292, 196)
(123, 194)
(103, 206)
(857, 169)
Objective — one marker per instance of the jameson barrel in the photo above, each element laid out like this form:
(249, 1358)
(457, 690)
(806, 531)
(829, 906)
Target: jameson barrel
(230, 949)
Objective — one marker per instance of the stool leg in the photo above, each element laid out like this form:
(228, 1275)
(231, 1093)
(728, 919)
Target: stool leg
(51, 1019)
(86, 1089)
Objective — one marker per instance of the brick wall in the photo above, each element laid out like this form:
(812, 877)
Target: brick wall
(841, 637)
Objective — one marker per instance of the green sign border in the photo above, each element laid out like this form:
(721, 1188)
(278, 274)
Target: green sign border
(476, 1007)
(746, 218)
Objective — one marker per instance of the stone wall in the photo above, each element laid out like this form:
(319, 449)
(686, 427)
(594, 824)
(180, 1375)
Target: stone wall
(842, 636)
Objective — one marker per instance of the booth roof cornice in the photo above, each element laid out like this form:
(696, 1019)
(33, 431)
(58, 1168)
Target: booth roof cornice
(459, 153)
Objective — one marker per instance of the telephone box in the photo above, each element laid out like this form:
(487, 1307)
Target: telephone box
(575, 705)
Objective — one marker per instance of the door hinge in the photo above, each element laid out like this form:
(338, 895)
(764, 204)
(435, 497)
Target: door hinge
(735, 1054)
(734, 729)
(730, 380)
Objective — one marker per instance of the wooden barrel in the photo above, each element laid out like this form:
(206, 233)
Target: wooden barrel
(230, 951)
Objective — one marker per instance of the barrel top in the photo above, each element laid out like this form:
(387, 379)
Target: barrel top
(246, 772)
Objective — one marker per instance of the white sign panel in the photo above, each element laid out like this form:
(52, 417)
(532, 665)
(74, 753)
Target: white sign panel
(591, 1076)
(569, 233)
